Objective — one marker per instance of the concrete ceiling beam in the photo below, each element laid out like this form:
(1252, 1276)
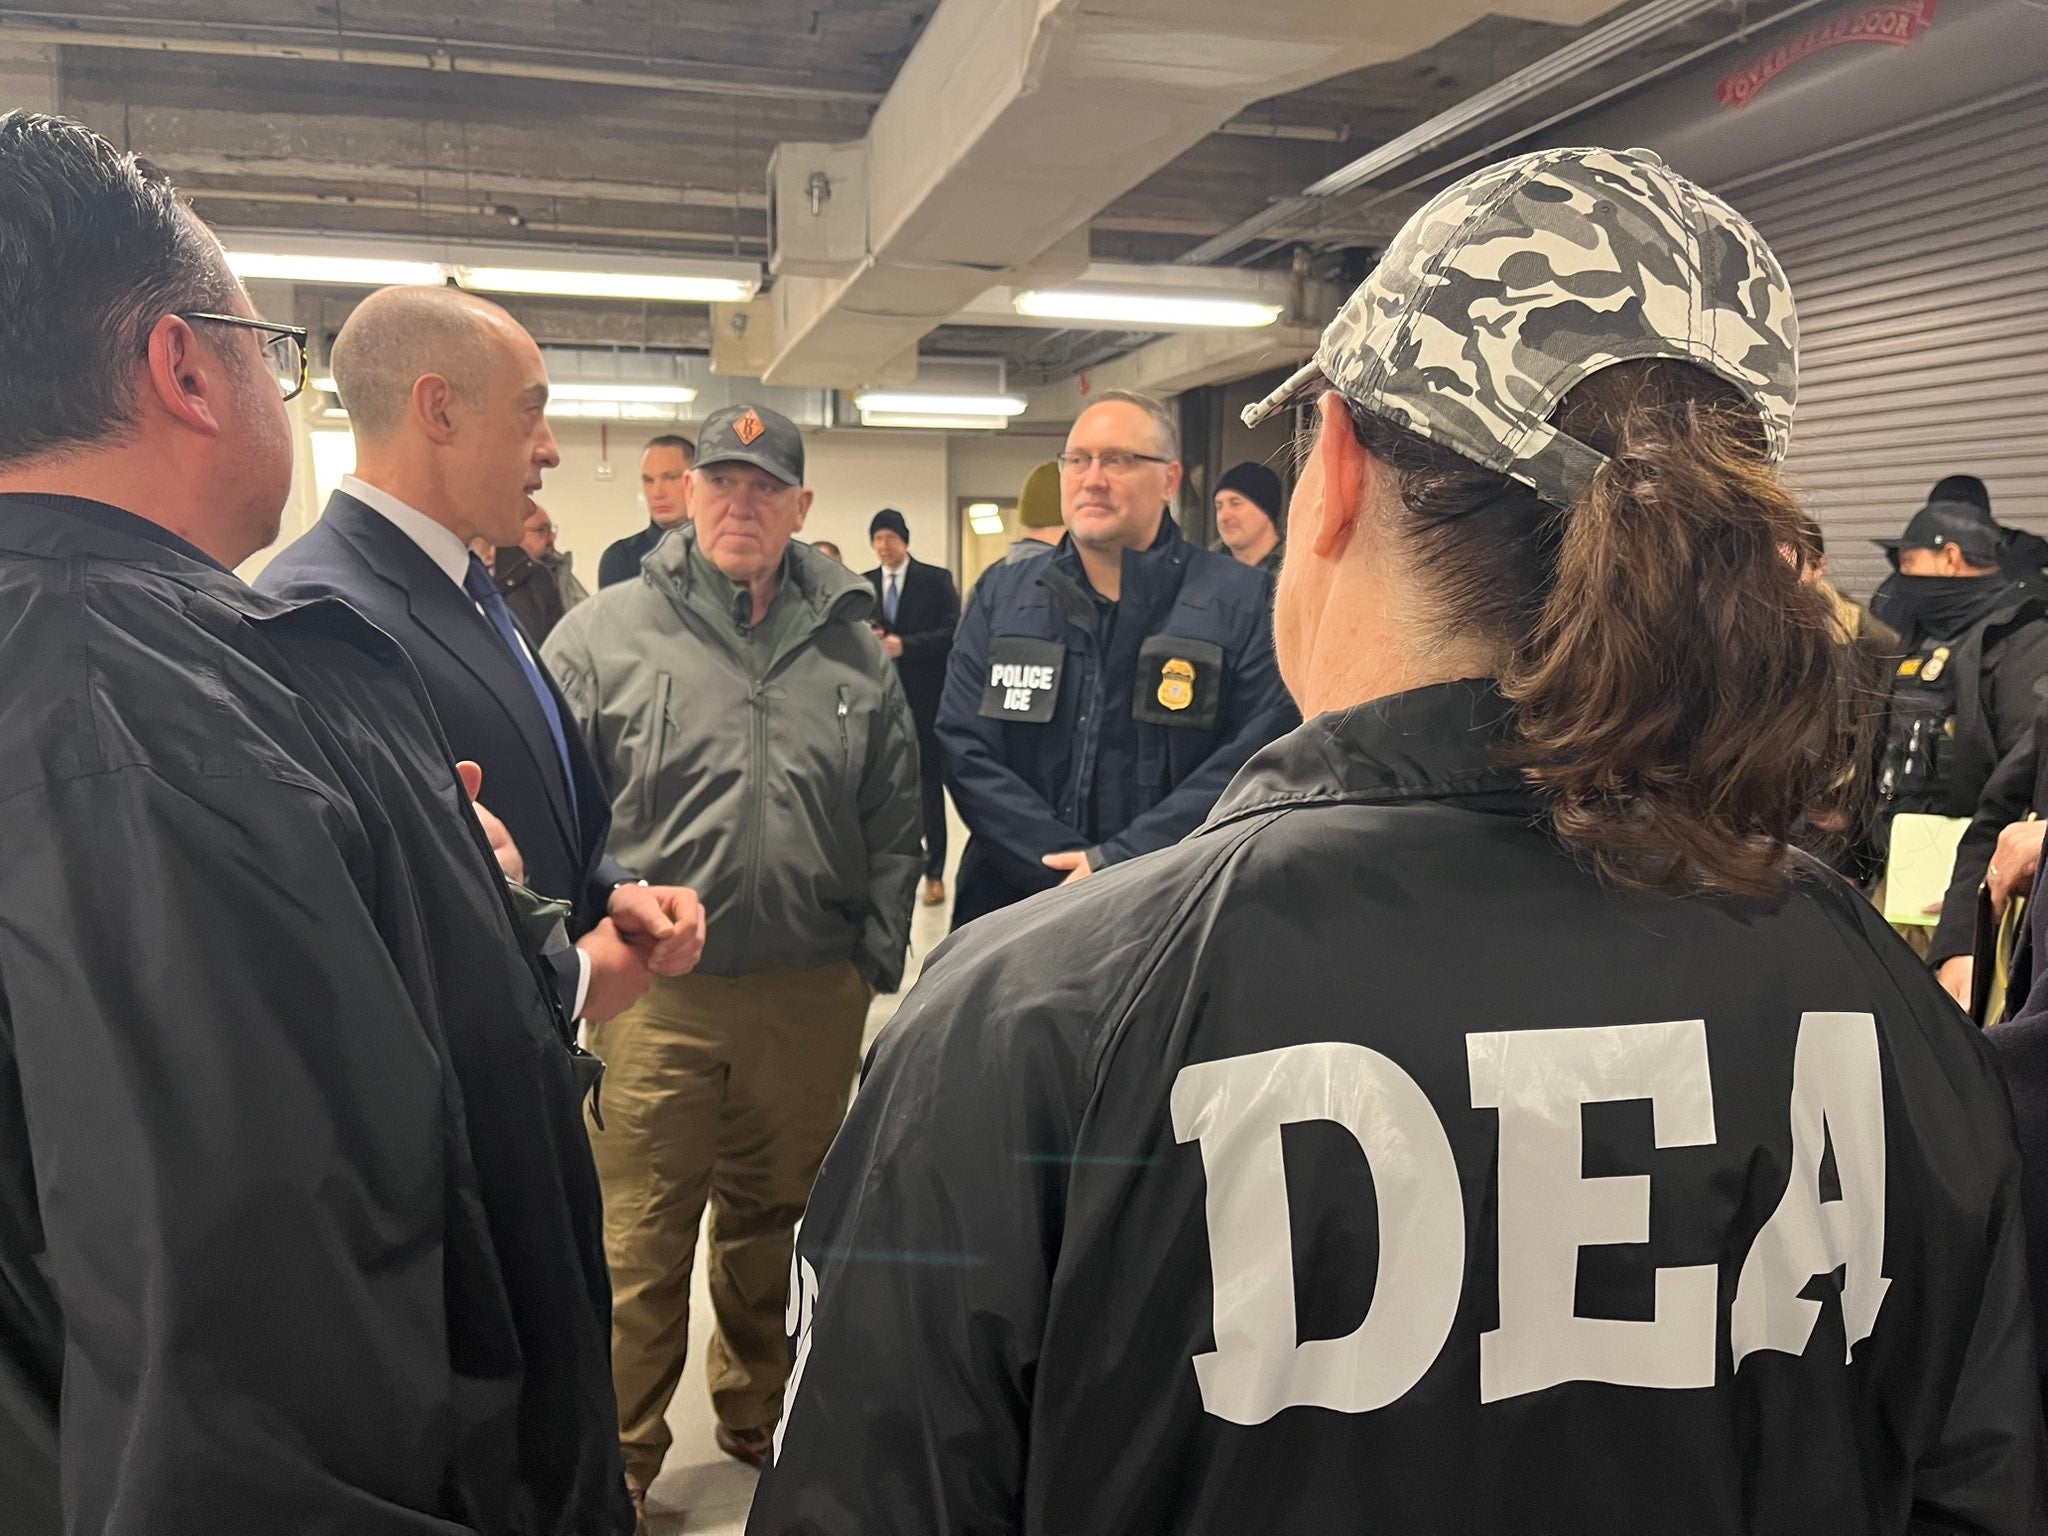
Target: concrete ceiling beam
(1015, 122)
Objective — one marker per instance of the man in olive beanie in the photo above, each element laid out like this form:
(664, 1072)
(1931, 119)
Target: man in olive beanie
(1039, 524)
(1251, 516)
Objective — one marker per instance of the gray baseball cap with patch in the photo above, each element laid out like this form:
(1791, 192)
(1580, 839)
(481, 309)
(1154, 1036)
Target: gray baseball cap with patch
(1513, 285)
(753, 434)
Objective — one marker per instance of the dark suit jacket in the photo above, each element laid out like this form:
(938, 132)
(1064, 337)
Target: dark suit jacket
(927, 614)
(487, 711)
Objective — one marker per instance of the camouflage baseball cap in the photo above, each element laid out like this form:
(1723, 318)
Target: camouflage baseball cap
(1510, 287)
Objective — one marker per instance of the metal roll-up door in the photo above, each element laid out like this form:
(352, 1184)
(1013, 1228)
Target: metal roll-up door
(1919, 267)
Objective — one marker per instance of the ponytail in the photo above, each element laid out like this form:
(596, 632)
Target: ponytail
(1677, 682)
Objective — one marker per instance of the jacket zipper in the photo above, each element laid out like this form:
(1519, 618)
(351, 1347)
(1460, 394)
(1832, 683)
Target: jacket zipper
(663, 724)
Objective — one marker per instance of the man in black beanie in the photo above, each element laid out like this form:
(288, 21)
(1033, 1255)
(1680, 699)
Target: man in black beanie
(1251, 516)
(917, 608)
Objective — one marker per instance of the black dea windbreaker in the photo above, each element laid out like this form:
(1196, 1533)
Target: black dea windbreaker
(1364, 1163)
(299, 1230)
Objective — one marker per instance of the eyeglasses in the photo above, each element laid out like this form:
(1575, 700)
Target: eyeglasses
(284, 350)
(1115, 461)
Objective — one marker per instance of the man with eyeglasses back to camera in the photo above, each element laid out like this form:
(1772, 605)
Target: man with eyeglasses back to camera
(299, 1228)
(1098, 702)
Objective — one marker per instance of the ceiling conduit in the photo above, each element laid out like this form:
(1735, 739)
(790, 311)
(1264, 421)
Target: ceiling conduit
(1576, 58)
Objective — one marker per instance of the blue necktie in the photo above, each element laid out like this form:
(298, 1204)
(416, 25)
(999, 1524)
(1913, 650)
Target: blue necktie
(478, 585)
(889, 599)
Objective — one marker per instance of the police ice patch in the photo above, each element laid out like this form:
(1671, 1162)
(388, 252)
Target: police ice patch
(1023, 681)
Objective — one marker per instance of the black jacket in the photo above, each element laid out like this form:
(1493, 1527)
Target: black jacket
(1999, 671)
(298, 1224)
(1149, 711)
(530, 591)
(1253, 1122)
(621, 560)
(481, 696)
(2020, 785)
(927, 614)
(2015, 787)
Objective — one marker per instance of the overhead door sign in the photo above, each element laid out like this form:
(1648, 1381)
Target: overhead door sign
(1897, 24)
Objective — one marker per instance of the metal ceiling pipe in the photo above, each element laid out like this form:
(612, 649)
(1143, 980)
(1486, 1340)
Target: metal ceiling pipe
(398, 51)
(1597, 47)
(500, 184)
(433, 208)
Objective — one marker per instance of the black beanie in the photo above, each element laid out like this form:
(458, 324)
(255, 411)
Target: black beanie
(892, 520)
(1259, 485)
(1961, 488)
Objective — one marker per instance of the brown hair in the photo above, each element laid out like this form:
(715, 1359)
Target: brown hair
(1676, 684)
(674, 440)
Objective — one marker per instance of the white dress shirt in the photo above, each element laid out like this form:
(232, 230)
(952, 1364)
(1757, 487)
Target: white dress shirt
(442, 546)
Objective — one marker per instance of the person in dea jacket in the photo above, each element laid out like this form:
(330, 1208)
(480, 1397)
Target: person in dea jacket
(1233, 1191)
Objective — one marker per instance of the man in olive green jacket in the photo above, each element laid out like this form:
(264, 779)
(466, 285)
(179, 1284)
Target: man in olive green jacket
(753, 734)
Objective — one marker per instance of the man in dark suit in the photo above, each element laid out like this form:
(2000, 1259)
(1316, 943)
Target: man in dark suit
(917, 610)
(447, 397)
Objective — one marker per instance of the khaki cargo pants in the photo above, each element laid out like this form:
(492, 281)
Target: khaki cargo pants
(728, 1089)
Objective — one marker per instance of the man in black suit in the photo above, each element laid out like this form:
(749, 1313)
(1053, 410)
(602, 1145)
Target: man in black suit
(918, 609)
(447, 397)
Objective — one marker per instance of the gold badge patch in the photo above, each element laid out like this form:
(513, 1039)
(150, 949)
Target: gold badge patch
(1931, 673)
(1177, 684)
(1910, 667)
(749, 427)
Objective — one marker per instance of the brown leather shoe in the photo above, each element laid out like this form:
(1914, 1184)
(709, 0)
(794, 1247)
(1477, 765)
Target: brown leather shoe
(934, 892)
(753, 1446)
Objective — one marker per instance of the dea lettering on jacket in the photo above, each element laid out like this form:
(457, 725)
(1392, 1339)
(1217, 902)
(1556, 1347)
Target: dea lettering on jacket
(1535, 1081)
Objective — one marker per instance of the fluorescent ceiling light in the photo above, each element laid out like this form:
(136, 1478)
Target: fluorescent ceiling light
(491, 267)
(346, 271)
(638, 394)
(943, 423)
(611, 410)
(562, 282)
(1147, 309)
(589, 393)
(985, 517)
(910, 403)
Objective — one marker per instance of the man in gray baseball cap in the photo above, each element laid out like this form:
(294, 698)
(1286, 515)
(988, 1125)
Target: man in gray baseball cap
(754, 733)
(1483, 1123)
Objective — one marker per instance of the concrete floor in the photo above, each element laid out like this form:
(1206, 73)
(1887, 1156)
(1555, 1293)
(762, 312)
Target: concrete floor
(701, 1490)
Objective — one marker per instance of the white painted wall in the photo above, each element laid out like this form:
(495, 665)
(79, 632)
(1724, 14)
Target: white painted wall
(992, 466)
(853, 473)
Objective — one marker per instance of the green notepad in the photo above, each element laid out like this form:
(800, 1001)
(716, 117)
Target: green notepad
(1923, 860)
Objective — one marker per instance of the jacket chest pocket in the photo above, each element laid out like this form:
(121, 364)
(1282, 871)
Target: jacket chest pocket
(815, 744)
(1179, 683)
(851, 723)
(660, 735)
